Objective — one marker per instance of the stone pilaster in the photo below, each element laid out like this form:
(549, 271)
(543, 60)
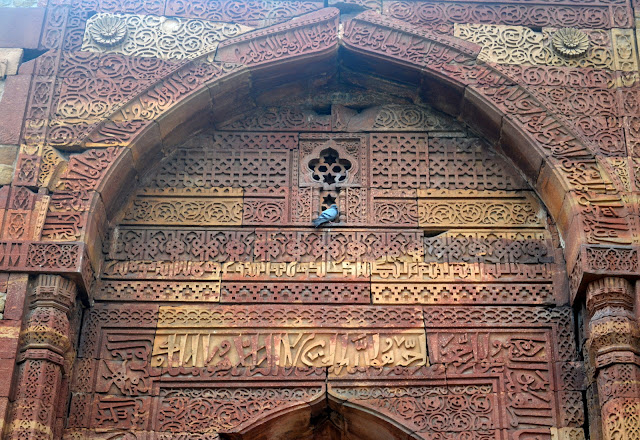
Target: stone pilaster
(44, 360)
(613, 347)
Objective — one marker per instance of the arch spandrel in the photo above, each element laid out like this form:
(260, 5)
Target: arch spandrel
(333, 417)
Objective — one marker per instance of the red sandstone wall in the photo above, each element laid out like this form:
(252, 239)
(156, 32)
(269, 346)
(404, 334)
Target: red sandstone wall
(97, 96)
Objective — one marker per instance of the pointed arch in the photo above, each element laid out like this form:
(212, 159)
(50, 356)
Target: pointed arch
(328, 416)
(563, 168)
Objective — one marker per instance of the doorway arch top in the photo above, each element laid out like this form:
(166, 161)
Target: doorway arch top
(577, 185)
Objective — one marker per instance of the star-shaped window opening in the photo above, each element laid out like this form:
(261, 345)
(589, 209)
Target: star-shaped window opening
(329, 168)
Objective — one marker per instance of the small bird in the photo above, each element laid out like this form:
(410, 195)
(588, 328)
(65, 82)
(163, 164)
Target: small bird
(328, 215)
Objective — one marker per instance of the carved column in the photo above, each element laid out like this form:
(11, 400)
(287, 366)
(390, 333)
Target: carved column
(45, 358)
(613, 348)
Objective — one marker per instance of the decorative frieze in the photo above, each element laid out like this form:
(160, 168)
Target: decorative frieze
(315, 292)
(207, 291)
(476, 293)
(29, 256)
(507, 211)
(170, 38)
(315, 32)
(600, 49)
(334, 349)
(193, 211)
(441, 15)
(251, 12)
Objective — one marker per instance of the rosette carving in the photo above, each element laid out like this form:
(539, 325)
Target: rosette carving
(570, 42)
(108, 30)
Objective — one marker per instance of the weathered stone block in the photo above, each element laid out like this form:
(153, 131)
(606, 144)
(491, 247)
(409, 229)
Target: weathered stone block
(6, 174)
(10, 60)
(13, 104)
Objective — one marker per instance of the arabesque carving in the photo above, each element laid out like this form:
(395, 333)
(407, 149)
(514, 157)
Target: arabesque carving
(512, 209)
(195, 211)
(158, 37)
(252, 12)
(225, 408)
(431, 409)
(442, 15)
(484, 157)
(520, 45)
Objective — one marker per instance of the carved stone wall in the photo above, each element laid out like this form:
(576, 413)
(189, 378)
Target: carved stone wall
(163, 160)
(436, 272)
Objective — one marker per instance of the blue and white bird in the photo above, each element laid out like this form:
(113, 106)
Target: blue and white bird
(328, 215)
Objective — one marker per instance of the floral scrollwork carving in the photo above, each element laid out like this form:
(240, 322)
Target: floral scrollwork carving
(570, 42)
(108, 30)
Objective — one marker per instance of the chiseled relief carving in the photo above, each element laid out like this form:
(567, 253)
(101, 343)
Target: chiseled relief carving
(599, 49)
(155, 36)
(440, 16)
(437, 300)
(570, 43)
(215, 281)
